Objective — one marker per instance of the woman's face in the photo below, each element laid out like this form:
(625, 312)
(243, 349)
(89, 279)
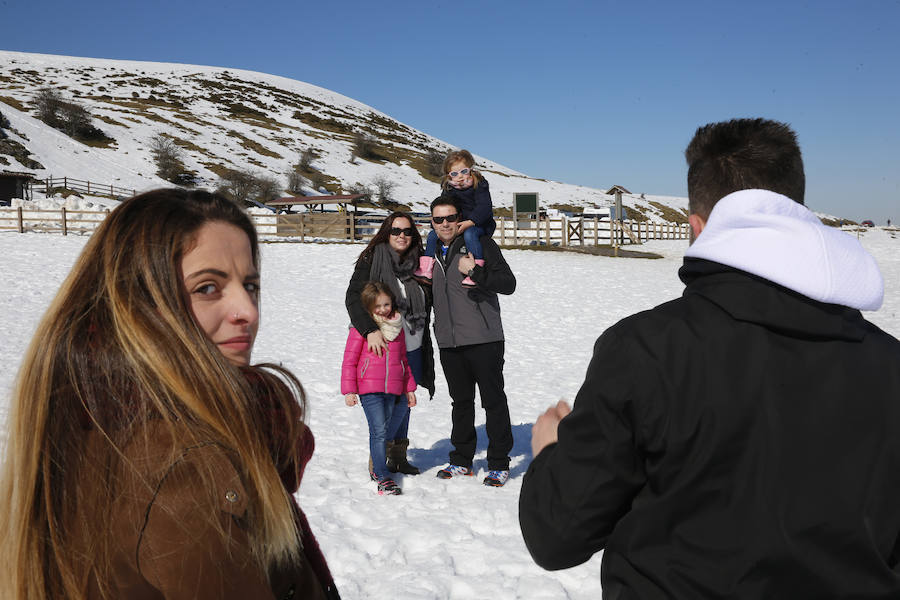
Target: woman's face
(400, 243)
(222, 285)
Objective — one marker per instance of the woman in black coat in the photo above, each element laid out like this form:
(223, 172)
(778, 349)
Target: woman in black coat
(391, 257)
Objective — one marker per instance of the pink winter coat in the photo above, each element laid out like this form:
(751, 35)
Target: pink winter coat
(365, 372)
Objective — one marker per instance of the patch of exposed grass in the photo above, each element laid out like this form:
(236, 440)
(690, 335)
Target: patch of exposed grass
(252, 146)
(635, 215)
(14, 103)
(567, 207)
(217, 168)
(668, 213)
(110, 121)
(601, 250)
(317, 122)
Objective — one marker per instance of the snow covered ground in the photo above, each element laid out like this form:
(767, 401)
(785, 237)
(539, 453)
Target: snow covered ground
(441, 539)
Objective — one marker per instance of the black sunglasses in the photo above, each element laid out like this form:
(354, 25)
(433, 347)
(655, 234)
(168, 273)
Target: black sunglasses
(450, 218)
(407, 231)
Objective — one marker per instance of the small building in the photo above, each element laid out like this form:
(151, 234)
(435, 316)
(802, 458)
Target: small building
(616, 188)
(14, 185)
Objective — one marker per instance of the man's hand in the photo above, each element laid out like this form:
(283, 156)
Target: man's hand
(465, 263)
(375, 342)
(543, 432)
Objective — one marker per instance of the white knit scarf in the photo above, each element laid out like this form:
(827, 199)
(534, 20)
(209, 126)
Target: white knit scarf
(390, 327)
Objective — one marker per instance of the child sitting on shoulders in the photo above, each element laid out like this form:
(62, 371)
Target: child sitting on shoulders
(469, 189)
(379, 382)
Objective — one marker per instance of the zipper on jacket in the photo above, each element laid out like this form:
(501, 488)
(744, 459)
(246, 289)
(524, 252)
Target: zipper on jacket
(365, 366)
(387, 368)
(447, 298)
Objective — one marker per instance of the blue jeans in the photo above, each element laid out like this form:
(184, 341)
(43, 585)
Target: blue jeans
(470, 237)
(382, 418)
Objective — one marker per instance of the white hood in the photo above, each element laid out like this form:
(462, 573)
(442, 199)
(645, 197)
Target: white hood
(773, 237)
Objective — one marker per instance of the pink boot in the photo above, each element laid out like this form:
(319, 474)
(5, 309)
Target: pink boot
(426, 268)
(467, 281)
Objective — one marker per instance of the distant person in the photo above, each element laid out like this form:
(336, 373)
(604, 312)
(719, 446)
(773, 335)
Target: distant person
(379, 380)
(469, 333)
(742, 441)
(391, 257)
(146, 458)
(469, 190)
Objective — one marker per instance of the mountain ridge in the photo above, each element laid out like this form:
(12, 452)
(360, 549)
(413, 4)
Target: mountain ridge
(223, 118)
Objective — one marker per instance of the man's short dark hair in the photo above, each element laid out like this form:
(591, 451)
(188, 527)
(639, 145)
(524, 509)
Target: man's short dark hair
(444, 200)
(742, 154)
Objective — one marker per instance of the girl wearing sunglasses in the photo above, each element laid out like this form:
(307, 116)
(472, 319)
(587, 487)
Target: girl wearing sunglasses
(470, 192)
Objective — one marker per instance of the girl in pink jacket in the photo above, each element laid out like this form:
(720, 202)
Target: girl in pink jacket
(378, 382)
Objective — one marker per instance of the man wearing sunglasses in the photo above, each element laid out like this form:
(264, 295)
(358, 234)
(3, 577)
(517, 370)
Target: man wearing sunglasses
(469, 333)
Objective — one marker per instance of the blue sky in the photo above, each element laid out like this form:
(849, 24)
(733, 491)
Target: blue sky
(592, 93)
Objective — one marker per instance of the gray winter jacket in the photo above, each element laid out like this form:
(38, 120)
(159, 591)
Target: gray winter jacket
(464, 316)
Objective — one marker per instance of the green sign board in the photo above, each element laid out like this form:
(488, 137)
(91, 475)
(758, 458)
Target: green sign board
(525, 202)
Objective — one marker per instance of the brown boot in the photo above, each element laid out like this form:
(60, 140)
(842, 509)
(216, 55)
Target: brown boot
(396, 458)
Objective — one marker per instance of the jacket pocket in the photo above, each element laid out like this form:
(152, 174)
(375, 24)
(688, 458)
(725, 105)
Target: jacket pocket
(483, 317)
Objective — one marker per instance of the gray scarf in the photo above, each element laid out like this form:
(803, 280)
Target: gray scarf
(387, 267)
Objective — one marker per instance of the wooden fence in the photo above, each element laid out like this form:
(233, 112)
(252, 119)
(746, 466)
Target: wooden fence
(83, 186)
(560, 231)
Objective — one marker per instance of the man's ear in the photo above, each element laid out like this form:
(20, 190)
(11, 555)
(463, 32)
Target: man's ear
(697, 224)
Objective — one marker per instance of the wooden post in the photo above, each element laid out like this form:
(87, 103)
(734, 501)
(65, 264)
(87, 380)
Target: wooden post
(596, 231)
(19, 215)
(502, 231)
(302, 228)
(64, 227)
(547, 223)
(353, 226)
(564, 231)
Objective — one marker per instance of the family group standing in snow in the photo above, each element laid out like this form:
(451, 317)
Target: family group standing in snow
(395, 284)
(741, 441)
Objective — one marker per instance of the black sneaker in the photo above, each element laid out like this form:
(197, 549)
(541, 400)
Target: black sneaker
(389, 487)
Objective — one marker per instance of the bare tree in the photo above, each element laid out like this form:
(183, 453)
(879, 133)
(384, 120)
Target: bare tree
(384, 191)
(48, 102)
(238, 184)
(295, 180)
(435, 161)
(267, 188)
(168, 157)
(306, 158)
(364, 145)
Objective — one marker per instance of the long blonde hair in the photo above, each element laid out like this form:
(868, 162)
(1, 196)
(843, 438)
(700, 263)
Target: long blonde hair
(119, 348)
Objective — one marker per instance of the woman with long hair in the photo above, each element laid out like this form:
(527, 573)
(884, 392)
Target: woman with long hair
(391, 257)
(145, 458)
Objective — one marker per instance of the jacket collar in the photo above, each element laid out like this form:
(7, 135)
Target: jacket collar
(753, 299)
(771, 236)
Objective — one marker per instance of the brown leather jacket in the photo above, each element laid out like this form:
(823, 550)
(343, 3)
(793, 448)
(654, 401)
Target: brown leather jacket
(164, 545)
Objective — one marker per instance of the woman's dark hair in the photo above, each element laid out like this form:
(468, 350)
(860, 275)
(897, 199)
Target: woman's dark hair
(382, 236)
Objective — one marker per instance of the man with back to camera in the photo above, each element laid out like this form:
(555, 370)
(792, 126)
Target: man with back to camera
(742, 441)
(469, 334)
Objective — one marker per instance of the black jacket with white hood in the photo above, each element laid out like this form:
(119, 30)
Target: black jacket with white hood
(742, 441)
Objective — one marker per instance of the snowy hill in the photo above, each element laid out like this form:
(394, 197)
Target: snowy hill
(225, 119)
